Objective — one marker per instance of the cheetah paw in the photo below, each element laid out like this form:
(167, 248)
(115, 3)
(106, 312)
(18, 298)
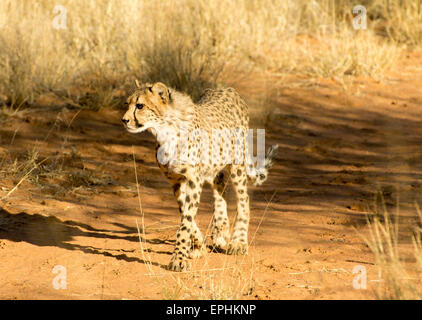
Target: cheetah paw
(197, 252)
(218, 244)
(178, 264)
(237, 248)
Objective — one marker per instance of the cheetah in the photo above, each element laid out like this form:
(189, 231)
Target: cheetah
(183, 131)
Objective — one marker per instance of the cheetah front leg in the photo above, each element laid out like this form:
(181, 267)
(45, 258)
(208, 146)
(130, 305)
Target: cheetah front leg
(189, 239)
(239, 240)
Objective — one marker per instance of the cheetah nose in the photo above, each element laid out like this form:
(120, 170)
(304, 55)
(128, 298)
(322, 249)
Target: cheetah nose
(125, 121)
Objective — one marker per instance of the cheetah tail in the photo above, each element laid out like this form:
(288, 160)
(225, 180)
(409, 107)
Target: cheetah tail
(257, 176)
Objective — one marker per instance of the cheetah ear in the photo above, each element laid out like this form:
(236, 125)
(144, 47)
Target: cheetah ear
(161, 90)
(138, 85)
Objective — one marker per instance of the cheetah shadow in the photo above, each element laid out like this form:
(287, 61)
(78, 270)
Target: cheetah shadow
(45, 231)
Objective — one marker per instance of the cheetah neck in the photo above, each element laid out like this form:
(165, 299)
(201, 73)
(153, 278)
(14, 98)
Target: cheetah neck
(181, 108)
(166, 132)
(176, 120)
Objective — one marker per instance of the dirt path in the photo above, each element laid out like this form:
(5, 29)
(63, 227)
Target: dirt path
(80, 208)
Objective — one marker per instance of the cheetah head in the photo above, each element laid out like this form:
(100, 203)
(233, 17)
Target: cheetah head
(146, 107)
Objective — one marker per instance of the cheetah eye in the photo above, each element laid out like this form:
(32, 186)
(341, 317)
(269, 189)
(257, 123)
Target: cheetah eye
(139, 106)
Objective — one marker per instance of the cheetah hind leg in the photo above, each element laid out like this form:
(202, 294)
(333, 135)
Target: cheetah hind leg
(237, 248)
(220, 230)
(239, 241)
(220, 235)
(198, 249)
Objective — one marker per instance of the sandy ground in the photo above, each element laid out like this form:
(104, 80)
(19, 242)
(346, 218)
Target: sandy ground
(338, 148)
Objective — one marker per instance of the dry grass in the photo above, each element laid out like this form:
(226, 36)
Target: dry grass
(399, 265)
(399, 20)
(191, 44)
(55, 175)
(58, 173)
(231, 282)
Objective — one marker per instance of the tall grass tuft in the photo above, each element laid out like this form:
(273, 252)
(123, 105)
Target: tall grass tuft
(400, 271)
